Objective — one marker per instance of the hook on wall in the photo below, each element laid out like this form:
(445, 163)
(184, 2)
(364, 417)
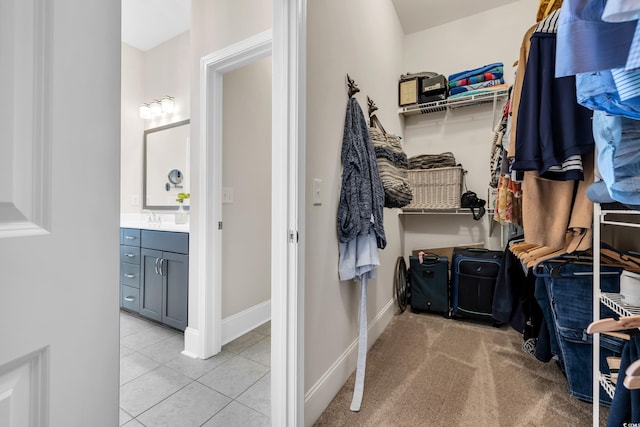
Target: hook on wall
(353, 86)
(372, 106)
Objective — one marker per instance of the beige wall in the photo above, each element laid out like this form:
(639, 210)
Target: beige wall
(488, 37)
(163, 70)
(131, 130)
(246, 154)
(362, 38)
(215, 24)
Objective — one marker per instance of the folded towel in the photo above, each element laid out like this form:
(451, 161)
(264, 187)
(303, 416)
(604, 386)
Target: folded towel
(475, 86)
(479, 91)
(494, 75)
(489, 68)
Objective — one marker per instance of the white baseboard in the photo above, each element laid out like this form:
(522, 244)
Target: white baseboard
(325, 389)
(191, 343)
(232, 327)
(245, 321)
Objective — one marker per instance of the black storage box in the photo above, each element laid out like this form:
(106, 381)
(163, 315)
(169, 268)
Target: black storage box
(433, 89)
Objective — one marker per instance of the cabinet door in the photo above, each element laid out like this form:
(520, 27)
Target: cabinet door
(175, 268)
(151, 284)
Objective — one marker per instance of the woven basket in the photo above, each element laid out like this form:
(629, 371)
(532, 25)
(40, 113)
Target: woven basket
(438, 188)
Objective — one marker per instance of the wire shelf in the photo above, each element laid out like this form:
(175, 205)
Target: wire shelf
(465, 101)
(607, 385)
(614, 302)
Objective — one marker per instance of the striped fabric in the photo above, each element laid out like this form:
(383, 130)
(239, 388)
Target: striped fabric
(633, 60)
(494, 75)
(627, 83)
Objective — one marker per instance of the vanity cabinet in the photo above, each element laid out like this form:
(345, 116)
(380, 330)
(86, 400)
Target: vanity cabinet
(130, 269)
(163, 277)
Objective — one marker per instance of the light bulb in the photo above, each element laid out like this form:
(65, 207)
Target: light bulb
(145, 111)
(156, 108)
(167, 104)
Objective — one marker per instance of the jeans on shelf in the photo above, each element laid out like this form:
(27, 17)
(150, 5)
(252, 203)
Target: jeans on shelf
(568, 311)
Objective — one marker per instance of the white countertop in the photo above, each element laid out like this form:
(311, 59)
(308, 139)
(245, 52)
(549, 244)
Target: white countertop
(166, 222)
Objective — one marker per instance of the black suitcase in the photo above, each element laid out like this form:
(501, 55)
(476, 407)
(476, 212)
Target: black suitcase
(474, 272)
(429, 278)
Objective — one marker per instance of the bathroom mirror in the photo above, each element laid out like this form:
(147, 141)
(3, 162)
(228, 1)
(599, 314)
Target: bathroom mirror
(166, 165)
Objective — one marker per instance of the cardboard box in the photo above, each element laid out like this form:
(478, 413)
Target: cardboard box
(446, 251)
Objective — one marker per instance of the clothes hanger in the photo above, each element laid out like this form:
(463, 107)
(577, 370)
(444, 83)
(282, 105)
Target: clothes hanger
(620, 335)
(532, 251)
(631, 383)
(540, 257)
(633, 370)
(632, 378)
(521, 246)
(613, 325)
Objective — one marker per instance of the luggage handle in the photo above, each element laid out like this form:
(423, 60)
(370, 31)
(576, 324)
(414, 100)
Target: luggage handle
(428, 257)
(477, 249)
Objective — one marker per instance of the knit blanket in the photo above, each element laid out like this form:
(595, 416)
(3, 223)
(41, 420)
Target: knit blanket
(430, 161)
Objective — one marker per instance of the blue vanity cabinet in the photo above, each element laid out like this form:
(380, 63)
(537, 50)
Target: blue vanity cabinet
(130, 269)
(164, 285)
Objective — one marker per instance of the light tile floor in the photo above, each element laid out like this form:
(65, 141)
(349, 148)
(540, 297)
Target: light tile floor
(161, 387)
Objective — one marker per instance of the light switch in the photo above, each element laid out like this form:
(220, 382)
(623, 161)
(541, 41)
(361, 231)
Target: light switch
(317, 191)
(227, 195)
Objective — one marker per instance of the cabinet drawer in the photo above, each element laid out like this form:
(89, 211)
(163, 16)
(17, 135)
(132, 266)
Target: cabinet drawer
(130, 236)
(130, 298)
(165, 241)
(130, 274)
(130, 255)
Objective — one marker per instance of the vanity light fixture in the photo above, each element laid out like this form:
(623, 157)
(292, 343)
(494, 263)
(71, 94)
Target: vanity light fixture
(157, 108)
(145, 111)
(167, 104)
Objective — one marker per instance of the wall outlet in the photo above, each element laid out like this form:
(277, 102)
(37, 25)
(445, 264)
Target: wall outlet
(135, 200)
(227, 195)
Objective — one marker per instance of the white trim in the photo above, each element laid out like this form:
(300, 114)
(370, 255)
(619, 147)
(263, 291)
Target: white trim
(25, 118)
(191, 343)
(287, 230)
(325, 389)
(245, 321)
(24, 385)
(209, 248)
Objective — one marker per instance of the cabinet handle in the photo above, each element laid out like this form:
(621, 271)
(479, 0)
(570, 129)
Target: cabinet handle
(157, 268)
(129, 276)
(162, 266)
(129, 255)
(129, 299)
(130, 237)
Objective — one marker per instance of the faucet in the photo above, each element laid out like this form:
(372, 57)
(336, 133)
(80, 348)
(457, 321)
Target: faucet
(152, 216)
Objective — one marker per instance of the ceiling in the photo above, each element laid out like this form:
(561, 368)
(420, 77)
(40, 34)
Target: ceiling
(148, 23)
(418, 15)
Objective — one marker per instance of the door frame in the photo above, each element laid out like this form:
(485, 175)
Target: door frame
(212, 69)
(286, 43)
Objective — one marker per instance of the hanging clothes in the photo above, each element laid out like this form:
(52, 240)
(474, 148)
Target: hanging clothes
(360, 226)
(362, 194)
(553, 130)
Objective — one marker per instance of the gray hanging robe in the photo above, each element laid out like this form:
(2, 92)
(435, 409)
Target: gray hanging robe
(360, 226)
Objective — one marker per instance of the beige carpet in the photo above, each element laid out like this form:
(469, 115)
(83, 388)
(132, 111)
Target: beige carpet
(426, 370)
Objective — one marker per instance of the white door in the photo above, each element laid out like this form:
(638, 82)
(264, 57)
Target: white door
(59, 205)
